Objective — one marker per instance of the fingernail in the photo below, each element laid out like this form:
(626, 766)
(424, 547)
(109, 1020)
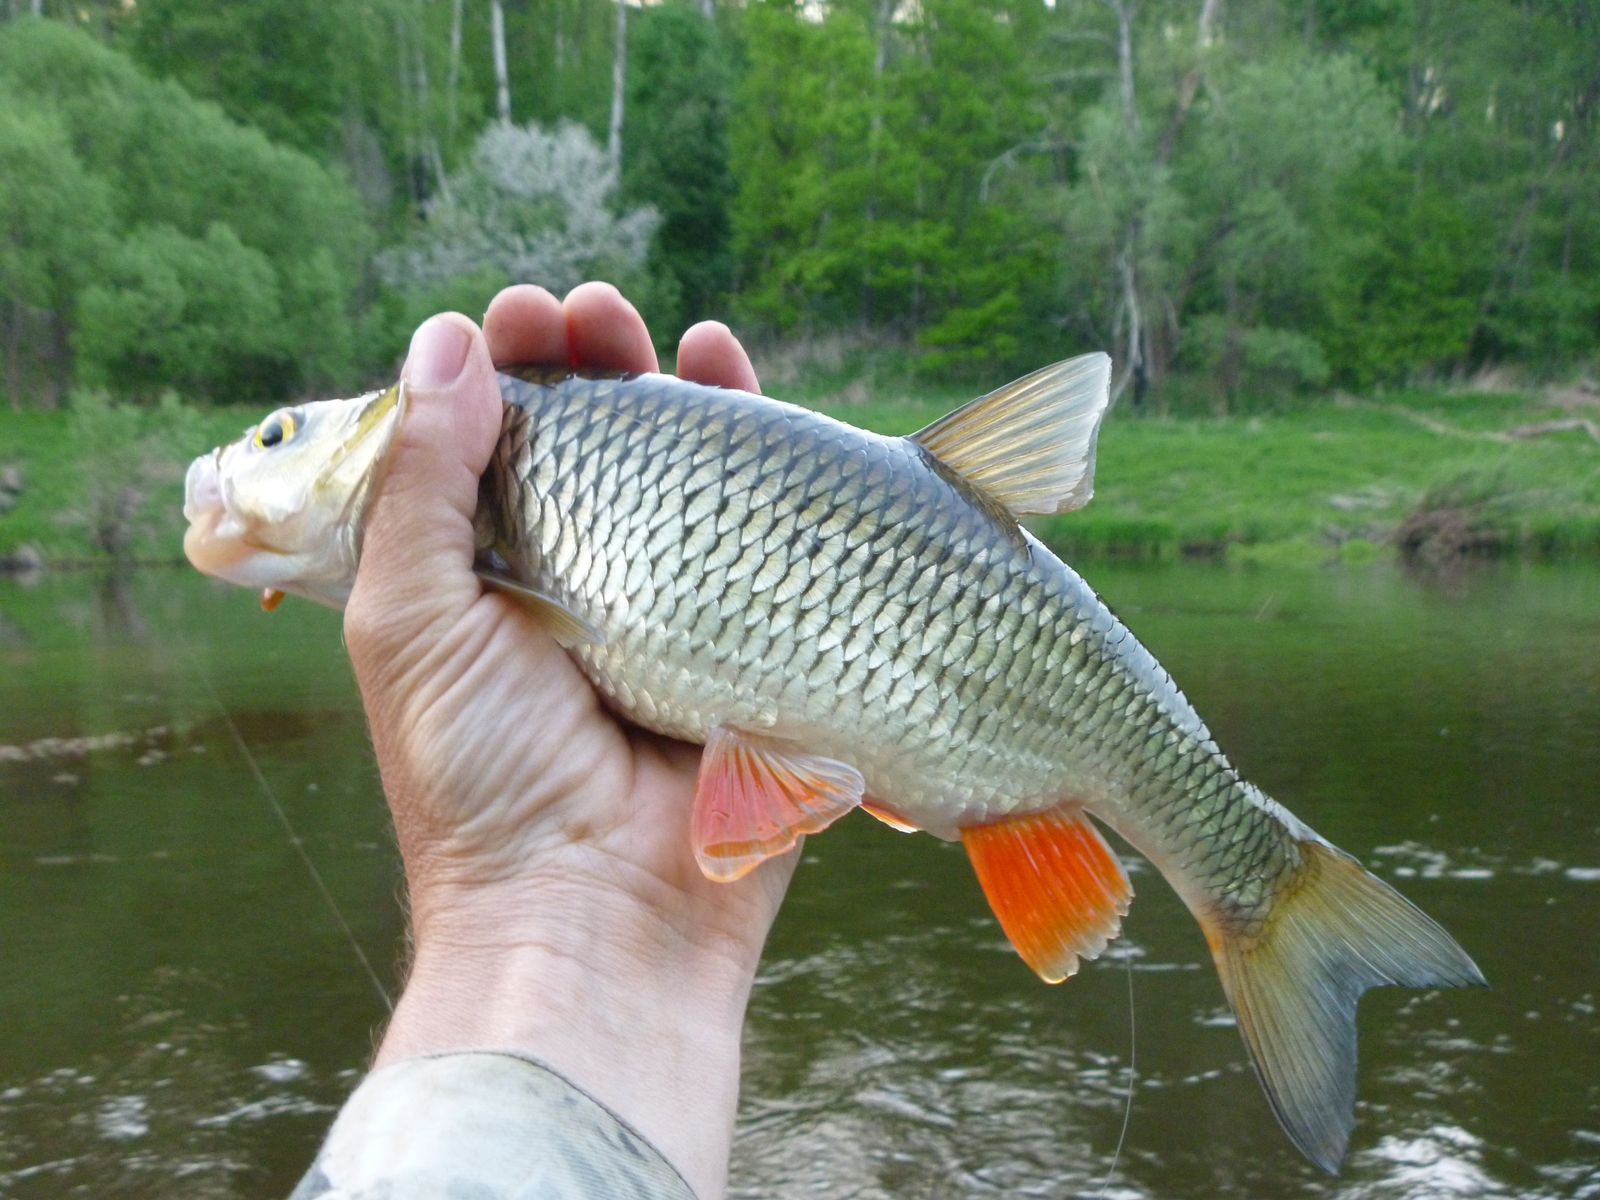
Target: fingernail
(438, 352)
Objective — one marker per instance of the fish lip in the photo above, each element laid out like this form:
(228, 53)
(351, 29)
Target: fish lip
(205, 508)
(202, 486)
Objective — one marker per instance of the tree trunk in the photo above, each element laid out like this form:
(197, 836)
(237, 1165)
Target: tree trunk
(454, 85)
(619, 73)
(430, 143)
(885, 14)
(1125, 11)
(408, 98)
(1136, 360)
(497, 35)
(1205, 35)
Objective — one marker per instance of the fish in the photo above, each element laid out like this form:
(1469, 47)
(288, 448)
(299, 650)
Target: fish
(847, 620)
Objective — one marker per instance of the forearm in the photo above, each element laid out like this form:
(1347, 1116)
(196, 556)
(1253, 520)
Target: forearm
(634, 1010)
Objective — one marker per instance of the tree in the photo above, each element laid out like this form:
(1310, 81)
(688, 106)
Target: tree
(56, 218)
(676, 154)
(1268, 178)
(202, 315)
(863, 150)
(534, 207)
(169, 167)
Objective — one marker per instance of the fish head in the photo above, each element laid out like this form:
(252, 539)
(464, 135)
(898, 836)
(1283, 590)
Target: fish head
(282, 508)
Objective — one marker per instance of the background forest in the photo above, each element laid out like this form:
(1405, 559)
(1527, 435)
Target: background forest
(1238, 198)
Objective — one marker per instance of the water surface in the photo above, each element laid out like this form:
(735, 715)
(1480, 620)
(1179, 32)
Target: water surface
(181, 1009)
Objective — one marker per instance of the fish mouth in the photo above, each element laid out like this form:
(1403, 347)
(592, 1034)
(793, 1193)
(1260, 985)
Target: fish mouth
(207, 544)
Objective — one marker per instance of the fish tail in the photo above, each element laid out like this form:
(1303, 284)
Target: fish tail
(1293, 979)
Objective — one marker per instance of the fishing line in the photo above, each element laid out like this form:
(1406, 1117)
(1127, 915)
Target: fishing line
(1127, 1110)
(294, 838)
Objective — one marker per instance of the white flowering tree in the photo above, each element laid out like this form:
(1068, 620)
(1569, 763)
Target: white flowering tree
(533, 205)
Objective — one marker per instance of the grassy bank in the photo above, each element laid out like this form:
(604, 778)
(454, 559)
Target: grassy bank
(103, 480)
(1449, 472)
(1346, 477)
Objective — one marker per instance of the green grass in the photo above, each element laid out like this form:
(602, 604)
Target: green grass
(1304, 485)
(50, 513)
(1331, 479)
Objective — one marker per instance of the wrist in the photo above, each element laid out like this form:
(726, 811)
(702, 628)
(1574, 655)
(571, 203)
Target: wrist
(640, 1004)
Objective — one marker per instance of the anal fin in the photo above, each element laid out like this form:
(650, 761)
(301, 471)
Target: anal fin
(757, 796)
(889, 817)
(1053, 883)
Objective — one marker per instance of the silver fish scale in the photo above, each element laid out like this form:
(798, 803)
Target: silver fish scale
(757, 565)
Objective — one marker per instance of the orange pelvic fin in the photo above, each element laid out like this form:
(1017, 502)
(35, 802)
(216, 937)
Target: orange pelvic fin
(890, 818)
(757, 796)
(270, 598)
(1056, 887)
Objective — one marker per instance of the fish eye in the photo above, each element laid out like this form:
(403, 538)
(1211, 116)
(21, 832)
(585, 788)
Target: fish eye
(277, 428)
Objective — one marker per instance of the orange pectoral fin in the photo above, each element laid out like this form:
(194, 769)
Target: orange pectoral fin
(1055, 886)
(757, 796)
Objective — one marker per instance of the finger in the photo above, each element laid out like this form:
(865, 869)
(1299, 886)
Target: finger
(525, 324)
(604, 330)
(709, 353)
(418, 544)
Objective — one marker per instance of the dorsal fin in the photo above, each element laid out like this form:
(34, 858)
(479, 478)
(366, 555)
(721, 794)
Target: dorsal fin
(1030, 444)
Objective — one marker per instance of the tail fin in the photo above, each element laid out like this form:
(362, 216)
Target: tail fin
(1294, 980)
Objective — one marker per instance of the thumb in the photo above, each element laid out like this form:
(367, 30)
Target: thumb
(417, 549)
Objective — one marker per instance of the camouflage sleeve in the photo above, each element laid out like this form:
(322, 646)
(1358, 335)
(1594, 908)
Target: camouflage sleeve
(484, 1126)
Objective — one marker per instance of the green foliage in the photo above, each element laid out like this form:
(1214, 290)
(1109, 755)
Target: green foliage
(78, 467)
(398, 311)
(200, 314)
(125, 454)
(1410, 272)
(295, 69)
(862, 150)
(1276, 197)
(1263, 180)
(188, 197)
(50, 208)
(54, 215)
(675, 155)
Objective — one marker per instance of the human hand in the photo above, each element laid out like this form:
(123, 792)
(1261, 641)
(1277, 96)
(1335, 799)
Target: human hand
(556, 905)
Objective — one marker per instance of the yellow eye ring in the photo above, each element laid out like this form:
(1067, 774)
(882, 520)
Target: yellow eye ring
(275, 430)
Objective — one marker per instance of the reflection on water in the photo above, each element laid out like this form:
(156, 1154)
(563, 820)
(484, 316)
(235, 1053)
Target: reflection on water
(180, 1012)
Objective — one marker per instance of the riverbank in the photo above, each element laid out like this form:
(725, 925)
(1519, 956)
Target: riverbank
(1434, 474)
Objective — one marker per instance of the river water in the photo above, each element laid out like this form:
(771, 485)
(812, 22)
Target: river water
(182, 1008)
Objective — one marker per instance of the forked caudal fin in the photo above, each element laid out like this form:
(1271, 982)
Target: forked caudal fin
(1294, 980)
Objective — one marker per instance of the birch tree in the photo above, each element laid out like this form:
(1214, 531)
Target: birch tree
(497, 41)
